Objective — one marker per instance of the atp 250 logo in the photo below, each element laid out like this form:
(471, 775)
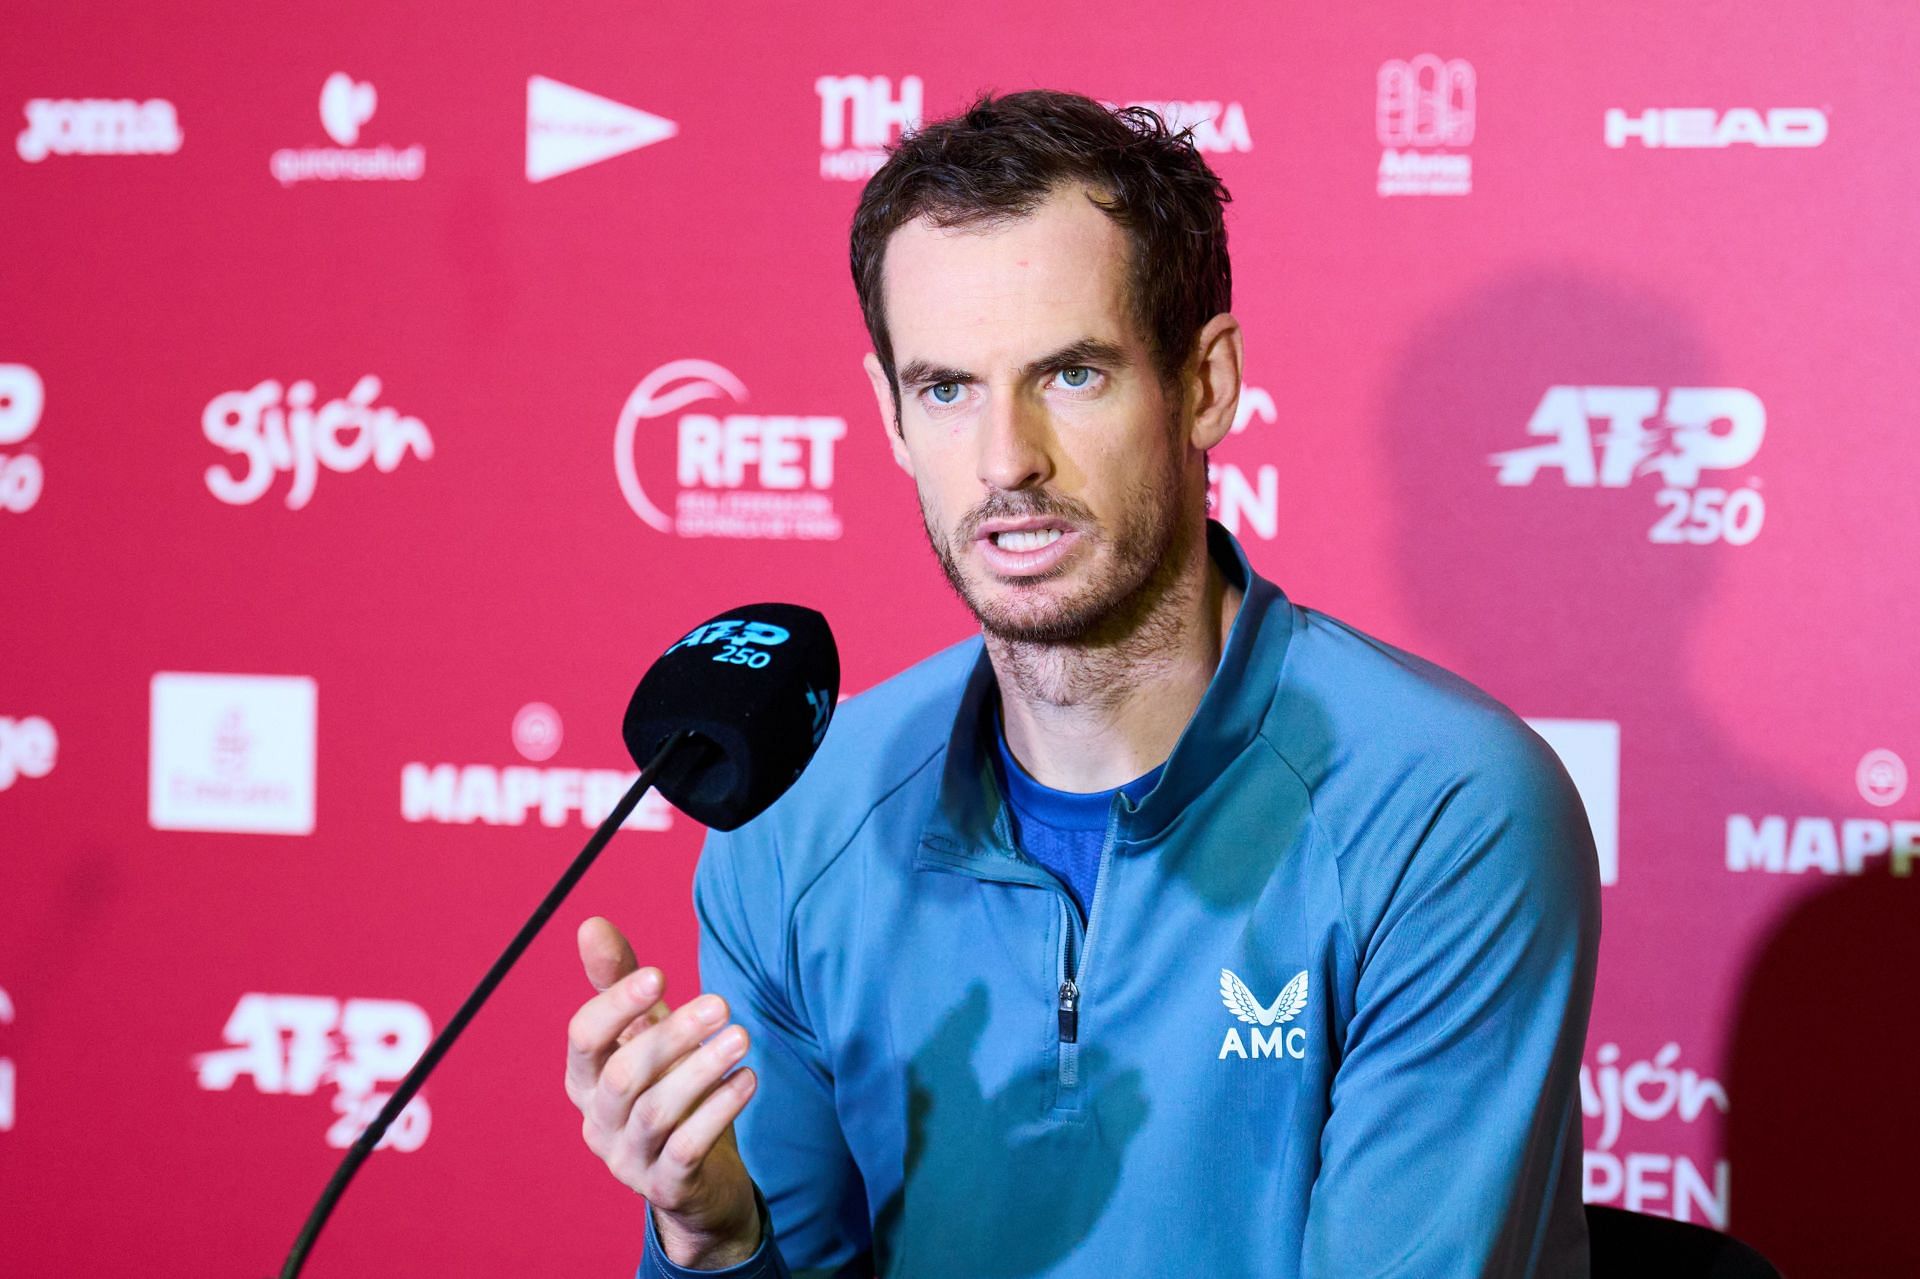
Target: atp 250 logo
(1675, 436)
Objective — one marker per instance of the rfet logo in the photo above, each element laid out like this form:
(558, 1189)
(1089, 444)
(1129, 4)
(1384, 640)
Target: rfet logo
(280, 430)
(733, 474)
(28, 748)
(346, 105)
(1705, 128)
(98, 126)
(1674, 436)
(513, 794)
(22, 397)
(294, 1045)
(1784, 844)
(1423, 114)
(859, 117)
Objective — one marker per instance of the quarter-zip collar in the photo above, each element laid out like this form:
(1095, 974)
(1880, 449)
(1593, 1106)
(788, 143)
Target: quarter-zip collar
(968, 828)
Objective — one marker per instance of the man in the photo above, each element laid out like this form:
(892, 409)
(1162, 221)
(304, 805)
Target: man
(1169, 928)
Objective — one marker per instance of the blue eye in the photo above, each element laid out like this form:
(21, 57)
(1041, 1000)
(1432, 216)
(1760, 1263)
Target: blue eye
(945, 392)
(1076, 378)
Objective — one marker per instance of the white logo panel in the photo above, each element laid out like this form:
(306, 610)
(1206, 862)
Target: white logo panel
(859, 117)
(232, 753)
(98, 126)
(1424, 114)
(1590, 751)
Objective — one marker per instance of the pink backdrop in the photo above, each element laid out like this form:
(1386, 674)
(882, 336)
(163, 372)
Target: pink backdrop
(353, 348)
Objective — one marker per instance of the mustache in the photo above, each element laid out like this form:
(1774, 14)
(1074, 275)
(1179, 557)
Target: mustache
(1021, 504)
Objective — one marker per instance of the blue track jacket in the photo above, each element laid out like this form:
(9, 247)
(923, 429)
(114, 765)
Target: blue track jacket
(1324, 1018)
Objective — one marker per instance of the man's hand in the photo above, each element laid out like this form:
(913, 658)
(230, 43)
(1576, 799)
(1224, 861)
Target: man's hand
(655, 1105)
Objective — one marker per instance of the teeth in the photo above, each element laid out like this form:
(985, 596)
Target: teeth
(1029, 540)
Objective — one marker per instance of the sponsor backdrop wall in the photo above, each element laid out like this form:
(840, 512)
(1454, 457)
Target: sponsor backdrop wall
(382, 388)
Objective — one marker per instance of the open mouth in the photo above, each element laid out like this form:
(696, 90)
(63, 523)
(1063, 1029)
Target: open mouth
(1020, 541)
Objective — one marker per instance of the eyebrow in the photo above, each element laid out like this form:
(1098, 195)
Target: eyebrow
(1086, 351)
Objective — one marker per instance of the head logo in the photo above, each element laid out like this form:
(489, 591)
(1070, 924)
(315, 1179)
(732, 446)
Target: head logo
(738, 475)
(28, 748)
(1421, 106)
(292, 1045)
(1247, 506)
(536, 732)
(1703, 127)
(1288, 1004)
(1674, 436)
(22, 396)
(492, 795)
(859, 116)
(1217, 127)
(1882, 777)
(345, 105)
(98, 126)
(569, 128)
(342, 435)
(232, 753)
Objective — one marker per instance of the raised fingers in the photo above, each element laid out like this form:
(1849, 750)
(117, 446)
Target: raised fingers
(604, 952)
(596, 1029)
(641, 1064)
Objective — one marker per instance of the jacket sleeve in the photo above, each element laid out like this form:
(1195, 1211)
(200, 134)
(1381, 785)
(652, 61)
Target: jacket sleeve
(1453, 1145)
(812, 1200)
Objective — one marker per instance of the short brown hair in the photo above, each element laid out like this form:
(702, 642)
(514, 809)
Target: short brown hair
(999, 159)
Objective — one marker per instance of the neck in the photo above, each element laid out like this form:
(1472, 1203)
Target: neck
(1097, 713)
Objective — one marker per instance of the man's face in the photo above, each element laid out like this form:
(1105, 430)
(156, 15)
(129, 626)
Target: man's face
(1052, 466)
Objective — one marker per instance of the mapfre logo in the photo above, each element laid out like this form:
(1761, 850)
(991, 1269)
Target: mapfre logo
(1269, 1036)
(1218, 127)
(28, 748)
(1793, 845)
(98, 126)
(1675, 128)
(1247, 504)
(513, 794)
(734, 474)
(346, 105)
(1423, 115)
(860, 116)
(295, 1045)
(1675, 436)
(281, 430)
(569, 128)
(22, 397)
(1589, 749)
(232, 753)
(1649, 1092)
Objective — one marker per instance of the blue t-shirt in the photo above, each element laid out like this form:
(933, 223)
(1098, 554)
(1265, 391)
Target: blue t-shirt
(1062, 830)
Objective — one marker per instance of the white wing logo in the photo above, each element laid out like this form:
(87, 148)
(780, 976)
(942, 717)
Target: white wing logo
(1241, 1003)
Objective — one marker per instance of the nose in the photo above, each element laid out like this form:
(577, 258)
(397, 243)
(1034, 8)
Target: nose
(1014, 443)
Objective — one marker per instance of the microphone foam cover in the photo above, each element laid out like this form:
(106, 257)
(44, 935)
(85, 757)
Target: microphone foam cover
(757, 685)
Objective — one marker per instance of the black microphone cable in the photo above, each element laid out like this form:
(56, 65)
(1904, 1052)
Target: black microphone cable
(364, 1145)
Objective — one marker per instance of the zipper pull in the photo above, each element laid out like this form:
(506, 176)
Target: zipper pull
(1069, 1012)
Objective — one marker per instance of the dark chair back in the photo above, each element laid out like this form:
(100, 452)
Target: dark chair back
(1631, 1245)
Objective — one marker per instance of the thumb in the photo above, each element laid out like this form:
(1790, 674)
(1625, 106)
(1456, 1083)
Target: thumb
(604, 953)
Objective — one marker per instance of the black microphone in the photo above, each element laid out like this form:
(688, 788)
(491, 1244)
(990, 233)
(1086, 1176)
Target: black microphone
(722, 723)
(756, 687)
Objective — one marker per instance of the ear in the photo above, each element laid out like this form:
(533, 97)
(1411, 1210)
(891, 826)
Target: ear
(883, 399)
(1213, 384)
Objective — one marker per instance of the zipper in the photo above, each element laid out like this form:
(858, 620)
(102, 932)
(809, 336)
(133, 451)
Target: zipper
(1073, 968)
